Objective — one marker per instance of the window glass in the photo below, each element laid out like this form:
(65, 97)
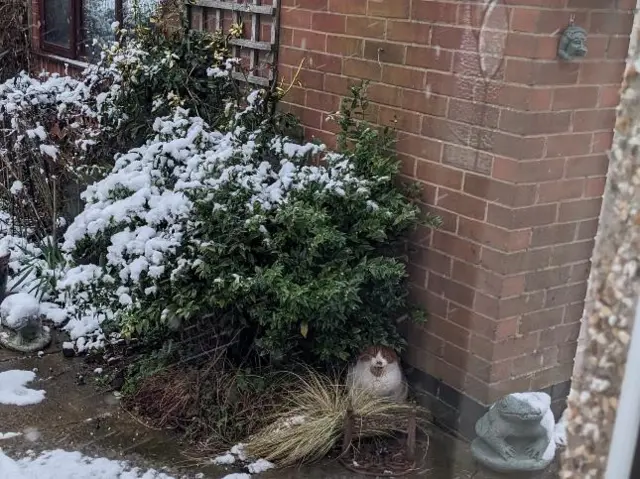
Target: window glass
(137, 11)
(98, 16)
(58, 22)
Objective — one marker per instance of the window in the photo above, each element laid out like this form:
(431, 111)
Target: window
(69, 27)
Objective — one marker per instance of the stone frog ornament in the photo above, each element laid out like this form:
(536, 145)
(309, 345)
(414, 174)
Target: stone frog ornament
(516, 434)
(573, 43)
(378, 371)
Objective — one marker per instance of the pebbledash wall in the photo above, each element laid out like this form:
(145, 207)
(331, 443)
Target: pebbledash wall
(510, 145)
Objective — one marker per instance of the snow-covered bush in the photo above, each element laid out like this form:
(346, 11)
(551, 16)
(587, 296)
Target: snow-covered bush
(246, 231)
(60, 133)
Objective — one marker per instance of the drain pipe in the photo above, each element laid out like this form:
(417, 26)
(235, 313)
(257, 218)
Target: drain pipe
(626, 430)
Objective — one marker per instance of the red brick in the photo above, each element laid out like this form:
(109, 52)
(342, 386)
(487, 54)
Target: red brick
(478, 278)
(540, 320)
(466, 158)
(514, 263)
(535, 362)
(435, 105)
(524, 19)
(430, 58)
(518, 147)
(594, 187)
(417, 275)
(449, 332)
(366, 27)
(514, 347)
(572, 253)
(308, 40)
(439, 175)
(579, 210)
(559, 335)
(608, 96)
(548, 377)
(362, 69)
(473, 112)
(601, 73)
(389, 9)
(434, 12)
(456, 247)
(553, 234)
(587, 229)
(432, 260)
(295, 18)
(570, 144)
(462, 204)
(312, 4)
(405, 77)
(400, 119)
(345, 46)
(408, 32)
(492, 190)
(573, 312)
(580, 272)
(451, 290)
(594, 120)
(601, 142)
(322, 101)
(546, 278)
(493, 236)
(336, 84)
(384, 52)
(573, 97)
(560, 190)
(449, 219)
(587, 166)
(354, 7)
(436, 305)
(534, 123)
(419, 146)
(618, 47)
(521, 217)
(472, 321)
(611, 23)
(567, 352)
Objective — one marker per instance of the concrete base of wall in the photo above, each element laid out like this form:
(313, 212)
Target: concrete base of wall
(456, 412)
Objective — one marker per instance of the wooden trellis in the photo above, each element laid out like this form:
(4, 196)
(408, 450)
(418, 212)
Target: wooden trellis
(258, 47)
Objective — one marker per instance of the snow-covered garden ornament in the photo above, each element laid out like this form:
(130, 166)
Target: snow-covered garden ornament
(21, 327)
(516, 434)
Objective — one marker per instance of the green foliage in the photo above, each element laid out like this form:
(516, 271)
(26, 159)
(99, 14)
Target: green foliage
(156, 69)
(316, 276)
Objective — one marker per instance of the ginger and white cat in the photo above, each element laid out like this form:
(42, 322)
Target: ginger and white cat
(378, 371)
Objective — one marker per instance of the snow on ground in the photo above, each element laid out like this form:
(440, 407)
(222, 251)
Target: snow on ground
(60, 464)
(14, 392)
(9, 435)
(237, 454)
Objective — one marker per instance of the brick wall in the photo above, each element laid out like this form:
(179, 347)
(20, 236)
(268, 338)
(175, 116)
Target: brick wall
(510, 146)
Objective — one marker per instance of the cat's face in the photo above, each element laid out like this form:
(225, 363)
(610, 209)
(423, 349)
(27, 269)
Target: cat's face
(379, 356)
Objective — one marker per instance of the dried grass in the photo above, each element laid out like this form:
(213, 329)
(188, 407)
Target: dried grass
(311, 421)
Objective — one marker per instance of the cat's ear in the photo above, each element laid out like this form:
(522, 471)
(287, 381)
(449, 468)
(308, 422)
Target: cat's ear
(389, 354)
(367, 354)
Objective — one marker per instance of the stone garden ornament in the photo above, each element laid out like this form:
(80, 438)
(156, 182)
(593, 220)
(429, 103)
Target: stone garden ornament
(516, 434)
(21, 327)
(573, 43)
